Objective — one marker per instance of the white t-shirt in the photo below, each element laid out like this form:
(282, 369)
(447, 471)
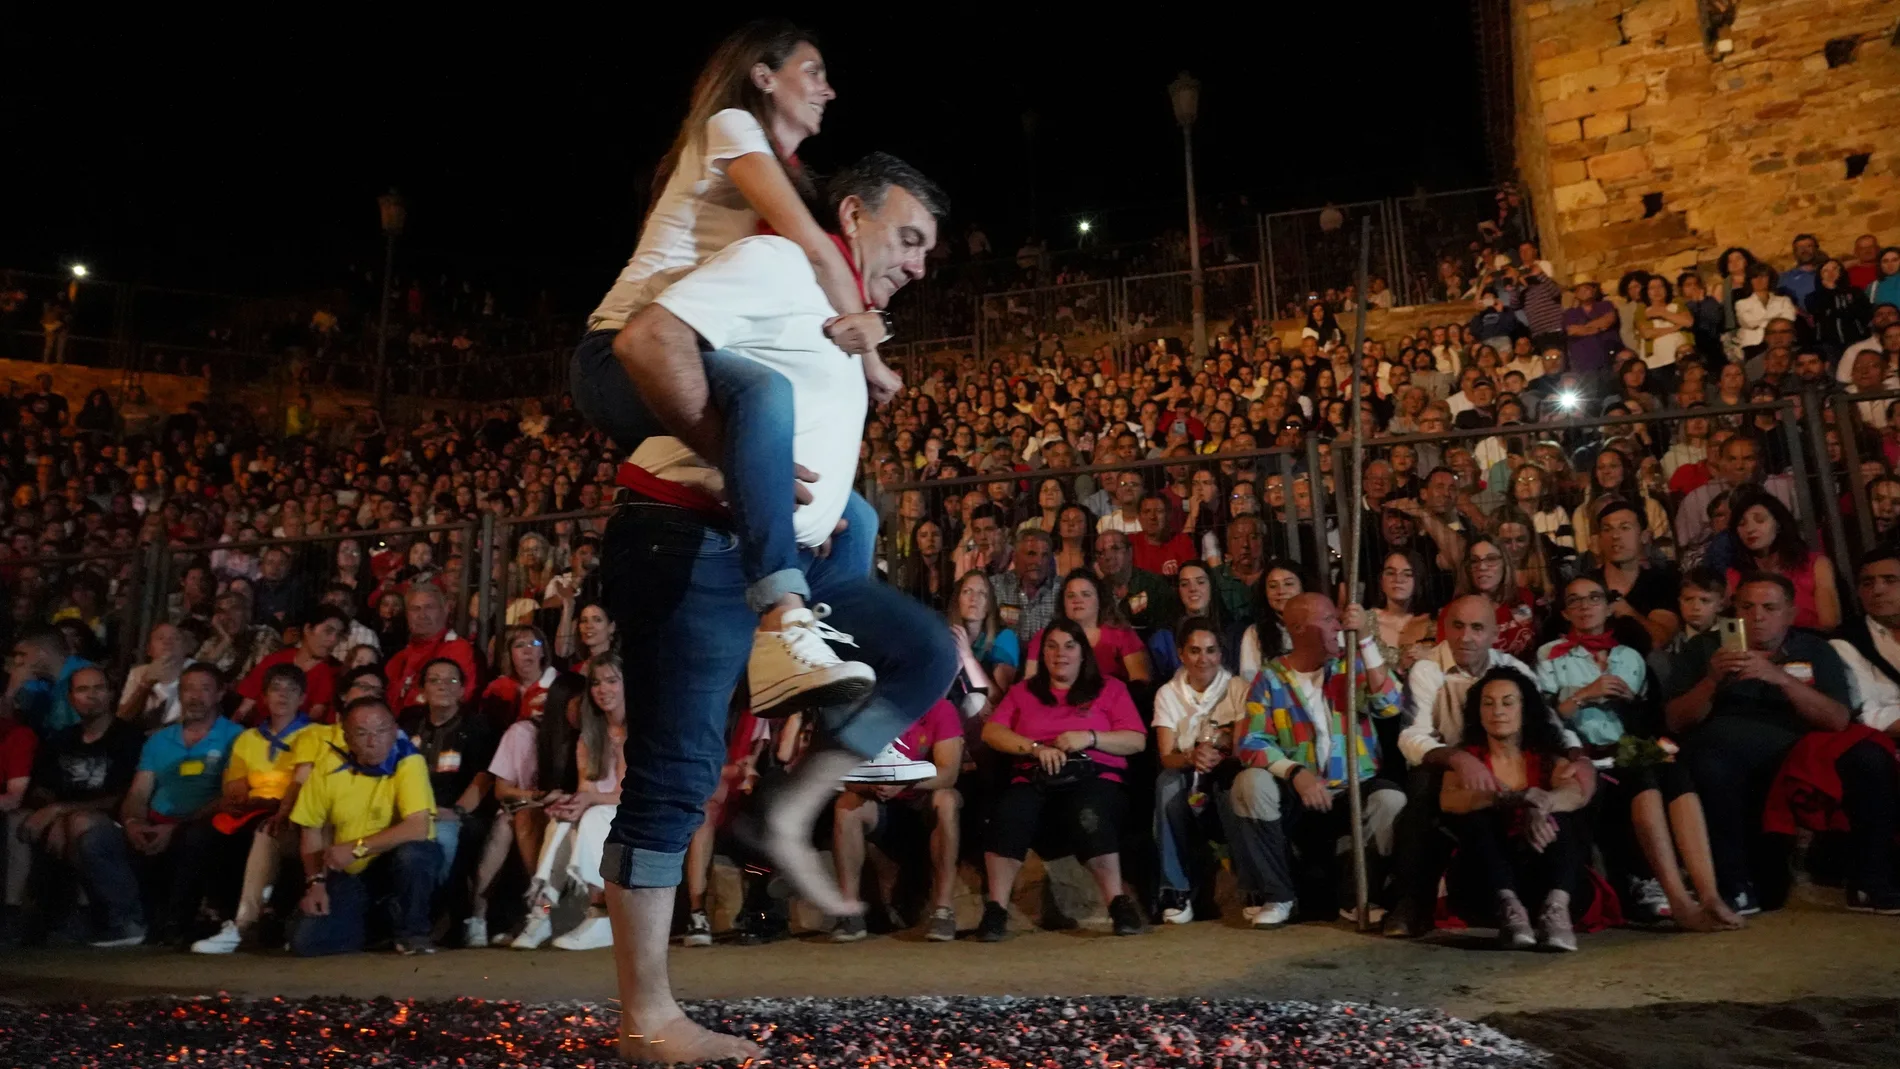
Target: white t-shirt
(1186, 710)
(699, 213)
(760, 299)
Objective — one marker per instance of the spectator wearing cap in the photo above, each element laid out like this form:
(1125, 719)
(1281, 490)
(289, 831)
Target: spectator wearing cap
(430, 638)
(367, 820)
(1481, 392)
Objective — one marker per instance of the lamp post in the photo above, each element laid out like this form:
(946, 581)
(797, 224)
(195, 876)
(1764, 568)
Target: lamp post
(394, 214)
(1185, 91)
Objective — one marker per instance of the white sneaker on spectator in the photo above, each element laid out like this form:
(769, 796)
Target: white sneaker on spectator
(1650, 899)
(475, 932)
(795, 668)
(1272, 915)
(129, 936)
(1178, 913)
(891, 767)
(537, 929)
(226, 941)
(592, 933)
(698, 930)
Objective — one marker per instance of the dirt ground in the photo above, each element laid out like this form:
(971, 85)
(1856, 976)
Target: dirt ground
(1808, 986)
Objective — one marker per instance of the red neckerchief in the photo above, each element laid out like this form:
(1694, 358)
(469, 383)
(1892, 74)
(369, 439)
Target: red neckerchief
(1602, 643)
(857, 276)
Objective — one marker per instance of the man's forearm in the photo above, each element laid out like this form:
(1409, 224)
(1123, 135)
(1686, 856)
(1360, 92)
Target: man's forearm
(1692, 707)
(660, 354)
(1815, 707)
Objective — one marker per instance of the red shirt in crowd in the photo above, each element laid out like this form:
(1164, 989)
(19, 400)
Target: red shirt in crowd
(319, 685)
(404, 670)
(937, 725)
(525, 699)
(1162, 558)
(1112, 644)
(18, 745)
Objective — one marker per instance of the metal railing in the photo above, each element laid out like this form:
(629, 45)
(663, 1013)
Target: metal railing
(1018, 317)
(1231, 290)
(1317, 249)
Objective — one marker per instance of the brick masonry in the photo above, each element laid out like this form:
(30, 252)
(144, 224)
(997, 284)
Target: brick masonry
(1746, 145)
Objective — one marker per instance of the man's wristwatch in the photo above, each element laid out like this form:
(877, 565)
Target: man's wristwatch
(360, 850)
(884, 320)
(460, 810)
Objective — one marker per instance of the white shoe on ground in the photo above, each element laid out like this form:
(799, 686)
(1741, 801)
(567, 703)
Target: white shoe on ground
(698, 930)
(795, 668)
(1273, 915)
(592, 933)
(475, 932)
(1182, 914)
(226, 941)
(536, 929)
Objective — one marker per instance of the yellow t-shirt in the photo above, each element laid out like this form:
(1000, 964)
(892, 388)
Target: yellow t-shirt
(268, 770)
(315, 741)
(357, 806)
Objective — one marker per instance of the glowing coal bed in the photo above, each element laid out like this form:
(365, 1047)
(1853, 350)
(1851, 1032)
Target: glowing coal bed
(875, 1033)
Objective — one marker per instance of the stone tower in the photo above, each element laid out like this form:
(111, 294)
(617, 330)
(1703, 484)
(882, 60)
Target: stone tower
(1655, 133)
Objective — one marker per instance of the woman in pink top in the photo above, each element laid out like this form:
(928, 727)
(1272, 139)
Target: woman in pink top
(1118, 651)
(1770, 541)
(1070, 732)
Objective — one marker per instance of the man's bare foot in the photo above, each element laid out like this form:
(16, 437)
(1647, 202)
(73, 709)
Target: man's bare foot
(783, 830)
(679, 1041)
(1727, 919)
(1691, 917)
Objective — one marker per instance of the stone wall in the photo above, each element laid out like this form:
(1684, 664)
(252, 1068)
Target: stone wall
(1745, 141)
(170, 392)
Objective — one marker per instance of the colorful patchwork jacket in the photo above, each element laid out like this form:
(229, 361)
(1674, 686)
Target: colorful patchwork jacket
(1280, 727)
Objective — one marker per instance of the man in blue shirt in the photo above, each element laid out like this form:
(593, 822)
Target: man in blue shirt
(40, 673)
(166, 816)
(1798, 281)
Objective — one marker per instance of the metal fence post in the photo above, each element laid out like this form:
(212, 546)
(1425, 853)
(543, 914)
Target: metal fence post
(1272, 311)
(1797, 462)
(1826, 512)
(1316, 489)
(485, 580)
(1847, 422)
(469, 534)
(151, 601)
(1291, 511)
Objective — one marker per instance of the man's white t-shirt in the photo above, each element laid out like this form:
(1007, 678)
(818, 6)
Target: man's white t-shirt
(699, 213)
(759, 299)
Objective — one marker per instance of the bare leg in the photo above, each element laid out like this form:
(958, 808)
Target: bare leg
(699, 855)
(260, 868)
(1652, 833)
(1002, 873)
(787, 823)
(501, 840)
(529, 824)
(1107, 870)
(945, 841)
(853, 817)
(1692, 840)
(653, 1028)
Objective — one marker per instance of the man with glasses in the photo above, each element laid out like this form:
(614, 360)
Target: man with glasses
(367, 814)
(1126, 518)
(457, 745)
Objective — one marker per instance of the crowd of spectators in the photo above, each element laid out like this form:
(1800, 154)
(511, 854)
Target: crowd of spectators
(313, 748)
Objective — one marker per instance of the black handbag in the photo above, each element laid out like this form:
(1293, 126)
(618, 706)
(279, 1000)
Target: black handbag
(1079, 767)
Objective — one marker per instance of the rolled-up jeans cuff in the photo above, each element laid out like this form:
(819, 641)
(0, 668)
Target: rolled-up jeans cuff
(631, 866)
(765, 593)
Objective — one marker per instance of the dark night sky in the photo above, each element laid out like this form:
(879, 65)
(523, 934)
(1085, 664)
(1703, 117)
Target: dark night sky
(188, 156)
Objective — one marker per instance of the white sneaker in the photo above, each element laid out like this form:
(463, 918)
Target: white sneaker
(1182, 914)
(592, 933)
(1651, 899)
(698, 931)
(536, 929)
(129, 936)
(226, 941)
(475, 932)
(1272, 915)
(891, 767)
(794, 667)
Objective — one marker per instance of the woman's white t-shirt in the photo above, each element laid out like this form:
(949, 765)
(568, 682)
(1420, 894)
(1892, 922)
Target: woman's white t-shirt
(699, 213)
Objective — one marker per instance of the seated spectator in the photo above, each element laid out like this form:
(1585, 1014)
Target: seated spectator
(430, 637)
(1868, 645)
(874, 809)
(1642, 590)
(1520, 832)
(457, 744)
(151, 689)
(533, 767)
(592, 634)
(359, 636)
(1026, 593)
(1145, 599)
(570, 852)
(1238, 575)
(1193, 724)
(39, 681)
(367, 820)
(254, 838)
(1769, 540)
(1702, 597)
(237, 643)
(924, 571)
(1404, 634)
(1739, 713)
(1070, 730)
(1074, 540)
(1118, 651)
(1489, 573)
(1287, 800)
(18, 747)
(311, 656)
(1282, 582)
(517, 691)
(166, 817)
(80, 775)
(1157, 547)
(1590, 680)
(989, 653)
(1195, 590)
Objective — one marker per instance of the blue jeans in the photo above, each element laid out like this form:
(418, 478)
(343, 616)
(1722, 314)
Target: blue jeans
(404, 878)
(676, 584)
(104, 863)
(758, 406)
(1178, 834)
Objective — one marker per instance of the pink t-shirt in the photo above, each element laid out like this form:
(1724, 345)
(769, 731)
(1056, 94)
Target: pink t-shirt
(514, 758)
(1111, 646)
(1112, 710)
(940, 723)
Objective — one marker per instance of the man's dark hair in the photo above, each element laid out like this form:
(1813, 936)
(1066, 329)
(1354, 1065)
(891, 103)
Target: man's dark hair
(1702, 577)
(328, 612)
(869, 179)
(986, 511)
(204, 668)
(1786, 584)
(365, 703)
(1876, 556)
(350, 677)
(1614, 505)
(286, 671)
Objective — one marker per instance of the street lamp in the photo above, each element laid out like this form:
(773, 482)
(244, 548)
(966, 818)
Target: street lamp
(79, 271)
(393, 214)
(1185, 91)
